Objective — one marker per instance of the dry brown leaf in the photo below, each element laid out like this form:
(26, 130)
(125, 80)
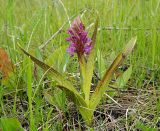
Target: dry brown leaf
(6, 65)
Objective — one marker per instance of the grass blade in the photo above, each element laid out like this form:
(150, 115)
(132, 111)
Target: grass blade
(29, 93)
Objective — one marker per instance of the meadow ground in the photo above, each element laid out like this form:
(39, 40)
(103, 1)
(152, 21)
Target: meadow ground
(33, 97)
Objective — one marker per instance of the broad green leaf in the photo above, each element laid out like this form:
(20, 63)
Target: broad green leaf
(101, 87)
(10, 124)
(55, 74)
(90, 65)
(123, 79)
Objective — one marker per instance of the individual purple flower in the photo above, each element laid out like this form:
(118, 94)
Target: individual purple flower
(80, 43)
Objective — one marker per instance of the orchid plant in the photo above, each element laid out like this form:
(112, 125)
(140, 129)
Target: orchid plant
(84, 47)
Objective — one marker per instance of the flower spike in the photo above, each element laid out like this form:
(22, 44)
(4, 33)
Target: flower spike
(79, 41)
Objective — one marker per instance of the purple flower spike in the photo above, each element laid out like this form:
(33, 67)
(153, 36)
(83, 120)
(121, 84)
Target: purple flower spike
(80, 43)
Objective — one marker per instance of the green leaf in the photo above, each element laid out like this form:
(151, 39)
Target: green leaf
(55, 74)
(90, 65)
(10, 124)
(101, 87)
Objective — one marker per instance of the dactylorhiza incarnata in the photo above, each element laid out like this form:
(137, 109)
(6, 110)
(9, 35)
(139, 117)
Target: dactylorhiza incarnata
(79, 41)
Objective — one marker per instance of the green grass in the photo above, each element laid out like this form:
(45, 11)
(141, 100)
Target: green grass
(32, 23)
